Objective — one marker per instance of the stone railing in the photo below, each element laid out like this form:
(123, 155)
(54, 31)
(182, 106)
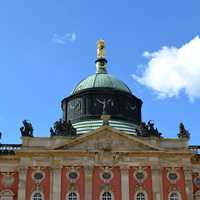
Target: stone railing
(9, 149)
(195, 149)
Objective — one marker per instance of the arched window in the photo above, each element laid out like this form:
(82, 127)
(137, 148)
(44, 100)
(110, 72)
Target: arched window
(197, 195)
(72, 196)
(6, 198)
(140, 196)
(174, 196)
(37, 196)
(106, 196)
(6, 195)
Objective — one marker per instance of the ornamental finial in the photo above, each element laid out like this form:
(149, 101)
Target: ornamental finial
(100, 49)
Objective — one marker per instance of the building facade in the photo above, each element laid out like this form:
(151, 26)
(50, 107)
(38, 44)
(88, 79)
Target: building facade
(100, 150)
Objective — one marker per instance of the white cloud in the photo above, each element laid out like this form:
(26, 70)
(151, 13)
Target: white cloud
(172, 70)
(64, 39)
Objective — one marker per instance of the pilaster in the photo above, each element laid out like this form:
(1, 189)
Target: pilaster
(88, 182)
(157, 183)
(188, 182)
(22, 183)
(56, 183)
(125, 182)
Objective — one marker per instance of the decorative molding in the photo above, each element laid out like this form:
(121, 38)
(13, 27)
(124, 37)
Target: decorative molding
(38, 171)
(173, 172)
(7, 193)
(8, 180)
(172, 188)
(106, 187)
(140, 172)
(73, 171)
(108, 172)
(196, 181)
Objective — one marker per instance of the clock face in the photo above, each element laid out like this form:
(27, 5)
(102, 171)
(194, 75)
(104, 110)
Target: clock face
(75, 106)
(131, 106)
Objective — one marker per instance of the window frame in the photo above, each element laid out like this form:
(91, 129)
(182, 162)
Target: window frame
(38, 180)
(67, 196)
(35, 192)
(176, 192)
(112, 195)
(141, 191)
(197, 195)
(6, 193)
(71, 179)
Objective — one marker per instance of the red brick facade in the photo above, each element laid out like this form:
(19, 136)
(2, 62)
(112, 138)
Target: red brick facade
(178, 185)
(113, 185)
(74, 185)
(44, 185)
(10, 187)
(99, 185)
(145, 185)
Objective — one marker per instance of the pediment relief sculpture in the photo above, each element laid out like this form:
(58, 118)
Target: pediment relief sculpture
(108, 139)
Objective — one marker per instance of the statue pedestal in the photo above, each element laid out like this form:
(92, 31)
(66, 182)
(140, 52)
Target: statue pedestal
(105, 119)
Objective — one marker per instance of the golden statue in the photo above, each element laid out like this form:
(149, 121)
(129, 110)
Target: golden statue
(100, 49)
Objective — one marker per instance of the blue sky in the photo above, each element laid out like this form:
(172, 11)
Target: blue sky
(46, 47)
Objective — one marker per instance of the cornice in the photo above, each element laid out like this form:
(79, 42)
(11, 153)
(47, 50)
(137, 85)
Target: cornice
(60, 153)
(9, 157)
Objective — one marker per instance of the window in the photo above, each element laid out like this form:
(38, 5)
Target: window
(38, 176)
(197, 181)
(106, 175)
(140, 196)
(37, 196)
(174, 196)
(197, 195)
(106, 196)
(173, 176)
(72, 175)
(6, 195)
(72, 196)
(6, 198)
(8, 180)
(140, 175)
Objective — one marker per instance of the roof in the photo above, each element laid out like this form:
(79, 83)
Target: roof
(101, 80)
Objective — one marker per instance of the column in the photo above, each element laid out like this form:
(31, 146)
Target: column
(157, 185)
(56, 183)
(125, 182)
(22, 183)
(188, 182)
(88, 182)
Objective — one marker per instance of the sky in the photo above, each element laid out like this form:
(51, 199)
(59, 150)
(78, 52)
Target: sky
(48, 46)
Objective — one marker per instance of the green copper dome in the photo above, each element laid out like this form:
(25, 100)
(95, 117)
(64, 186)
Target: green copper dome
(102, 95)
(101, 80)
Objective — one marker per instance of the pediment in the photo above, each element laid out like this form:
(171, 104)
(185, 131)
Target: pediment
(108, 139)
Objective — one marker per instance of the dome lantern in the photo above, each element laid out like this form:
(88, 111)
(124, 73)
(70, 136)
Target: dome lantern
(100, 93)
(101, 62)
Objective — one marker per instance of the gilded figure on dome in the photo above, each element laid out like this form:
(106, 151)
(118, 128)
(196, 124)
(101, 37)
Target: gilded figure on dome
(100, 49)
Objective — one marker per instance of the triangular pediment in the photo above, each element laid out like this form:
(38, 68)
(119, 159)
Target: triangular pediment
(108, 139)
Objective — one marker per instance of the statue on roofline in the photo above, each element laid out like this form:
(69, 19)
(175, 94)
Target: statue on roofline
(148, 130)
(62, 128)
(27, 129)
(183, 133)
